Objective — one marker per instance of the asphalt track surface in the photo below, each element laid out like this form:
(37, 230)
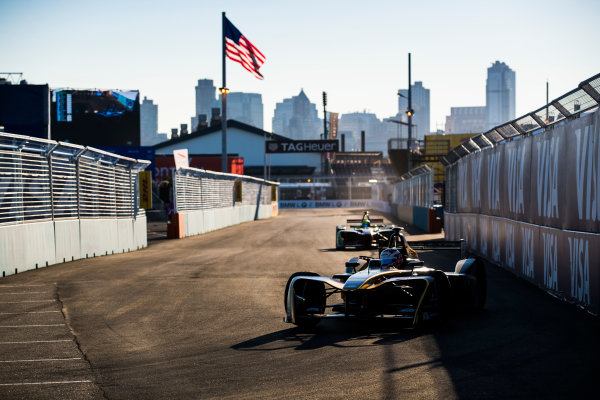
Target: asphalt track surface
(202, 318)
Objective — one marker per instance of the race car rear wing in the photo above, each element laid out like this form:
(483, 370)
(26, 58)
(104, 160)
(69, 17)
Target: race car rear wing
(459, 245)
(359, 220)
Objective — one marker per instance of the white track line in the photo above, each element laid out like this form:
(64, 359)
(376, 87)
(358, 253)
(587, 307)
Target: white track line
(27, 301)
(3, 286)
(38, 341)
(29, 326)
(28, 312)
(42, 360)
(43, 383)
(23, 293)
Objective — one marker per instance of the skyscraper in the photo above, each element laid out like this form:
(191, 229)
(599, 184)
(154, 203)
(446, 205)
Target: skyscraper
(466, 120)
(149, 124)
(420, 105)
(297, 118)
(205, 100)
(376, 136)
(245, 107)
(499, 95)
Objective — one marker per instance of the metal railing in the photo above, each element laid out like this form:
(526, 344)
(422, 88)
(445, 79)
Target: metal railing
(43, 180)
(566, 107)
(198, 189)
(415, 189)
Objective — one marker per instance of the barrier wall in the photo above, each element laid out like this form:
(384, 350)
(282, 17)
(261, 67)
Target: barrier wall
(203, 221)
(38, 244)
(533, 206)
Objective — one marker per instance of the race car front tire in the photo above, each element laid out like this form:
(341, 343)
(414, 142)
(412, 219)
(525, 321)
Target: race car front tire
(315, 291)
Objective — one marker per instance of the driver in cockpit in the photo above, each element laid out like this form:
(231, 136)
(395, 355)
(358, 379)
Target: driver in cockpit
(366, 222)
(391, 258)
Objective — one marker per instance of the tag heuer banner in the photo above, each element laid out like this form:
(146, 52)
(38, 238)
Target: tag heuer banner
(302, 146)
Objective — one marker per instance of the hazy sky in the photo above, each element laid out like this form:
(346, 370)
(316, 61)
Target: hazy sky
(354, 50)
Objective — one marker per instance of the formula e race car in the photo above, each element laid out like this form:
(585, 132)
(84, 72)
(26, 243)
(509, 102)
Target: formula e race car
(396, 285)
(363, 233)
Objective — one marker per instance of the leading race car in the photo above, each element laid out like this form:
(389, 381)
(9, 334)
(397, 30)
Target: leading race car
(395, 285)
(362, 233)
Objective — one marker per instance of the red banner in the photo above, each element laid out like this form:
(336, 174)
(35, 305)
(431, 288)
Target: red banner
(165, 165)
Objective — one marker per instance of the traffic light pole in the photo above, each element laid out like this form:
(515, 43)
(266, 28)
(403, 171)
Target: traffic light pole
(409, 112)
(325, 133)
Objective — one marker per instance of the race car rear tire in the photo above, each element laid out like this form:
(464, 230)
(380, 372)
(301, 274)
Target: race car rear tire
(481, 284)
(316, 288)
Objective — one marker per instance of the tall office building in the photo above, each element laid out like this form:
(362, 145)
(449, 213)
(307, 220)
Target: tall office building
(499, 95)
(376, 134)
(466, 120)
(205, 101)
(245, 107)
(297, 118)
(420, 105)
(149, 124)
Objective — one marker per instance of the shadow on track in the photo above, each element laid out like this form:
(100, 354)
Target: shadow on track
(329, 333)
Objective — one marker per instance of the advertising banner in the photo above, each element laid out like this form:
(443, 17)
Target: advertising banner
(360, 204)
(549, 179)
(561, 262)
(145, 180)
(550, 165)
(301, 146)
(181, 158)
(333, 125)
(581, 169)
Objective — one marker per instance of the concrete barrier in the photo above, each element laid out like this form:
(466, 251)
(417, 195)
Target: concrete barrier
(203, 221)
(559, 261)
(24, 247)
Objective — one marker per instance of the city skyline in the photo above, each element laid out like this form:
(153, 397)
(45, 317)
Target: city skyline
(162, 51)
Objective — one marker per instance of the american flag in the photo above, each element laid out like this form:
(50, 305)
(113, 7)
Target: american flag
(239, 49)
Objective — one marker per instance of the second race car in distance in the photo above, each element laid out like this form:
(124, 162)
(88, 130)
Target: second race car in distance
(364, 233)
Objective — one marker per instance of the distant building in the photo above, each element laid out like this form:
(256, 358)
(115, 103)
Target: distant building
(245, 107)
(466, 120)
(297, 118)
(420, 105)
(376, 133)
(205, 101)
(149, 124)
(247, 142)
(499, 95)
(282, 115)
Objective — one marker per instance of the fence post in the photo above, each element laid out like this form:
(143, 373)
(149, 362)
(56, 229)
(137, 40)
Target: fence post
(50, 175)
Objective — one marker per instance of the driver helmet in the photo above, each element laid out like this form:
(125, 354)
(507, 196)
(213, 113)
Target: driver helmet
(391, 258)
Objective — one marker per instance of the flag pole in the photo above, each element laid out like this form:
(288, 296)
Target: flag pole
(224, 91)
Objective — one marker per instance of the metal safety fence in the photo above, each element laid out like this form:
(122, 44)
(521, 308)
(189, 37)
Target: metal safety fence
(567, 107)
(415, 188)
(44, 180)
(198, 189)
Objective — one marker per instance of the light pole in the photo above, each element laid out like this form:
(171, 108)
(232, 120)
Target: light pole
(409, 112)
(325, 133)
